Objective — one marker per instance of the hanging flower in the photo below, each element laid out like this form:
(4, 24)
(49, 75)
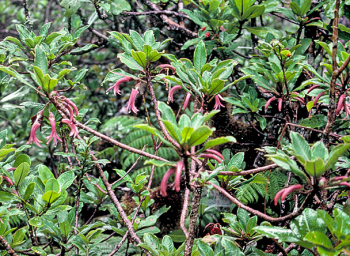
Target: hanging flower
(187, 100)
(115, 87)
(53, 134)
(35, 126)
(131, 104)
(163, 184)
(283, 193)
(172, 91)
(73, 128)
(218, 104)
(71, 103)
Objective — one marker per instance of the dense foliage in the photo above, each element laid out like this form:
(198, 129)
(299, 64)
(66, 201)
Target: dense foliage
(180, 127)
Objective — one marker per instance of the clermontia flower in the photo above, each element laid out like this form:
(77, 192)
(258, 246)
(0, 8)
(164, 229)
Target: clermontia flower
(35, 126)
(218, 103)
(115, 87)
(53, 134)
(73, 128)
(131, 104)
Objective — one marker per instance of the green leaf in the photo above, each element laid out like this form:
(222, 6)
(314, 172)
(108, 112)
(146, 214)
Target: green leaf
(200, 56)
(231, 248)
(66, 179)
(318, 238)
(8, 197)
(204, 249)
(71, 6)
(282, 234)
(173, 130)
(315, 121)
(21, 92)
(167, 112)
(45, 29)
(45, 174)
(130, 62)
(36, 222)
(51, 196)
(15, 40)
(199, 136)
(315, 168)
(118, 6)
(305, 7)
(22, 159)
(295, 8)
(300, 145)
(263, 31)
(21, 173)
(52, 185)
(23, 32)
(218, 141)
(18, 237)
(40, 59)
(16, 75)
(140, 58)
(335, 154)
(168, 243)
(153, 131)
(29, 191)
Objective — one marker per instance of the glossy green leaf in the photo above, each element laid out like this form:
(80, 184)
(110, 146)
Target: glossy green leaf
(21, 173)
(315, 168)
(66, 179)
(40, 59)
(218, 141)
(53, 185)
(51, 196)
(22, 159)
(29, 191)
(45, 174)
(300, 145)
(36, 222)
(318, 238)
(167, 112)
(199, 136)
(140, 58)
(200, 56)
(335, 154)
(204, 249)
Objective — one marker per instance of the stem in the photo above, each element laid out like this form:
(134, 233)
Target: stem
(7, 247)
(193, 221)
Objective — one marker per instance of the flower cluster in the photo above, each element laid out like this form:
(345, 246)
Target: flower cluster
(210, 153)
(286, 191)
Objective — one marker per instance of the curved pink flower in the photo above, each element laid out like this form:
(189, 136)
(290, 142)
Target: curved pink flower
(218, 104)
(53, 134)
(131, 104)
(212, 151)
(269, 102)
(116, 85)
(72, 104)
(211, 156)
(35, 126)
(187, 100)
(73, 128)
(166, 66)
(172, 91)
(7, 179)
(179, 168)
(286, 191)
(163, 184)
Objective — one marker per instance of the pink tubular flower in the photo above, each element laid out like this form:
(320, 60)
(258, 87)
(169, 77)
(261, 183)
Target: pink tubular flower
(73, 128)
(116, 85)
(53, 134)
(212, 151)
(269, 102)
(212, 156)
(179, 168)
(7, 179)
(172, 91)
(163, 184)
(131, 104)
(283, 193)
(187, 100)
(166, 66)
(218, 104)
(71, 103)
(35, 126)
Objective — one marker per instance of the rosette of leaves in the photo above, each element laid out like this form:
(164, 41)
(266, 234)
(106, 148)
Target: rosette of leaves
(140, 51)
(277, 70)
(320, 83)
(315, 160)
(203, 80)
(225, 21)
(45, 48)
(313, 229)
(188, 131)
